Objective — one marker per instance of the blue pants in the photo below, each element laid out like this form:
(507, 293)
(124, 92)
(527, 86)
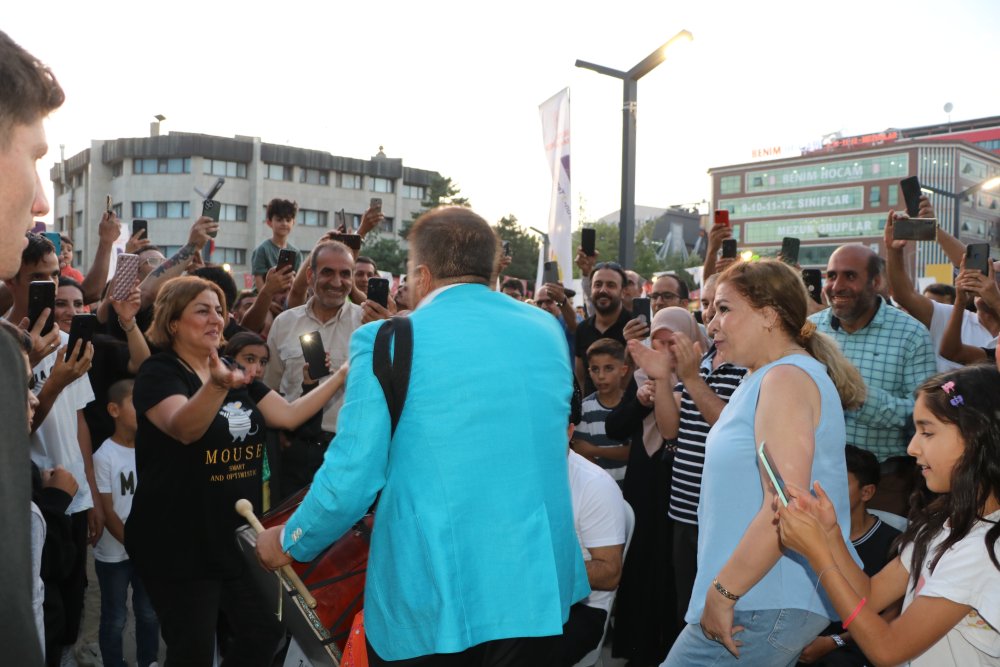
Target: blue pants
(114, 579)
(772, 638)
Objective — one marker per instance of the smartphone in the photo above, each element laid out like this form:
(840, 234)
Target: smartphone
(506, 249)
(640, 308)
(232, 363)
(41, 295)
(588, 239)
(977, 256)
(790, 250)
(314, 354)
(82, 328)
(375, 203)
(108, 205)
(286, 258)
(914, 229)
(55, 239)
(340, 221)
(352, 241)
(140, 225)
(211, 209)
(729, 248)
(126, 272)
(911, 195)
(722, 217)
(772, 472)
(550, 272)
(378, 291)
(813, 278)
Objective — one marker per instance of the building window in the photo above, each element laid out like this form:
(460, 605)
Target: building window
(161, 209)
(315, 177)
(174, 165)
(232, 213)
(117, 169)
(311, 218)
(729, 184)
(355, 221)
(875, 196)
(79, 218)
(380, 184)
(277, 172)
(349, 181)
(78, 180)
(226, 168)
(117, 208)
(386, 225)
(893, 195)
(229, 255)
(417, 192)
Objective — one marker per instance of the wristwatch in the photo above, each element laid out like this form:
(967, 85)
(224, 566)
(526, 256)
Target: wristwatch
(838, 641)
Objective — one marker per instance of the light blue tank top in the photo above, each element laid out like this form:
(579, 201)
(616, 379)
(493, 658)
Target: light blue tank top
(731, 495)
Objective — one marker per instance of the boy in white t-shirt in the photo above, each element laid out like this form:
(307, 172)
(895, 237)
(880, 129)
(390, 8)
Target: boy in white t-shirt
(114, 468)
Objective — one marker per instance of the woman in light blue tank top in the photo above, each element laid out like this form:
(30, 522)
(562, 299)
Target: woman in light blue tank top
(750, 598)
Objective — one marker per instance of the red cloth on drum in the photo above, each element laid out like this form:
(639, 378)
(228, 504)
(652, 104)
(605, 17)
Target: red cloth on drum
(355, 652)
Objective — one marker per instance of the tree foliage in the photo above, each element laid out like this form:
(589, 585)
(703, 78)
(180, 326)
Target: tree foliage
(388, 253)
(441, 191)
(646, 261)
(523, 248)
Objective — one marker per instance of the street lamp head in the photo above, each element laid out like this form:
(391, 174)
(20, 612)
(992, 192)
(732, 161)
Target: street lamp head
(991, 184)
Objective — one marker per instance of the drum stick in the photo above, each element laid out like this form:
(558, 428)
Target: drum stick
(245, 509)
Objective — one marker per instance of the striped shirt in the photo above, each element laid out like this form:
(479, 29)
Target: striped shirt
(689, 459)
(894, 355)
(591, 429)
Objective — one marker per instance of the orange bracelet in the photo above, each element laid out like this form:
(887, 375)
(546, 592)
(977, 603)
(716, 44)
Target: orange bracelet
(855, 613)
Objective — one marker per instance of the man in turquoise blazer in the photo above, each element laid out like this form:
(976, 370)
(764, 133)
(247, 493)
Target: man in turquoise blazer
(474, 541)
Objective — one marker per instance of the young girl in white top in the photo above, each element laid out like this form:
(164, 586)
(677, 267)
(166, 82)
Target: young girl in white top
(948, 570)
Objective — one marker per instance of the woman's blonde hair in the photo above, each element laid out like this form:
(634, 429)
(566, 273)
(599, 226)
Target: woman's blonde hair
(173, 298)
(773, 284)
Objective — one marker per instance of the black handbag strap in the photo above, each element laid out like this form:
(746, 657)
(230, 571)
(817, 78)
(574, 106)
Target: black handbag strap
(393, 368)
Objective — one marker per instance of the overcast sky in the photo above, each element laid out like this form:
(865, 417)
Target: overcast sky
(455, 86)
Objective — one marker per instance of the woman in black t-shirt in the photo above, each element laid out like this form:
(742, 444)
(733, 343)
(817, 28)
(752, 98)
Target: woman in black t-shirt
(199, 448)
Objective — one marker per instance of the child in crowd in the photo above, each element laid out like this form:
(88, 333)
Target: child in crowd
(114, 467)
(872, 539)
(948, 571)
(608, 370)
(281, 219)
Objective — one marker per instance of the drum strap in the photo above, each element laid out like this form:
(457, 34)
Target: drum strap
(392, 367)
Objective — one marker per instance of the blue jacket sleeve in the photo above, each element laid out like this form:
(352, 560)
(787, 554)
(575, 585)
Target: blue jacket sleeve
(354, 469)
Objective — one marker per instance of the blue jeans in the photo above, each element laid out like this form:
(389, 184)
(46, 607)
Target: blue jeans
(772, 638)
(114, 579)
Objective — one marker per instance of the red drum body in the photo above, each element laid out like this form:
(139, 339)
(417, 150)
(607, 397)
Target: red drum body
(336, 578)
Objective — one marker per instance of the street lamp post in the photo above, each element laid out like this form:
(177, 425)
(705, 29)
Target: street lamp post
(630, 81)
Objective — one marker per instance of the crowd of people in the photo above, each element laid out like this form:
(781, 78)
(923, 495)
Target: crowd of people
(764, 479)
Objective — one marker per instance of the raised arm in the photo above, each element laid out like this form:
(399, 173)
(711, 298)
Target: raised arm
(917, 305)
(107, 233)
(200, 234)
(279, 413)
(275, 283)
(952, 348)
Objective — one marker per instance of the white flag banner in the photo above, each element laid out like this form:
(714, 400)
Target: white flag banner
(555, 133)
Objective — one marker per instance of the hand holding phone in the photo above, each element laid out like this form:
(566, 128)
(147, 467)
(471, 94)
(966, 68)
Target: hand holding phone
(81, 329)
(790, 250)
(641, 309)
(41, 295)
(378, 291)
(550, 272)
(140, 225)
(977, 257)
(314, 354)
(588, 241)
(914, 229)
(126, 273)
(771, 469)
(729, 249)
(286, 260)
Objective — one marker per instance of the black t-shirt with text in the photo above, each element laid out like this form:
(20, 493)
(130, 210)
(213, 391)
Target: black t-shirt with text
(183, 519)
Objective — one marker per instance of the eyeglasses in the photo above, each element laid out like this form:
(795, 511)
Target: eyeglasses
(155, 261)
(665, 296)
(543, 302)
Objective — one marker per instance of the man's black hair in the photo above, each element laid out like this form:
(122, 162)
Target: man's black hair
(863, 465)
(220, 277)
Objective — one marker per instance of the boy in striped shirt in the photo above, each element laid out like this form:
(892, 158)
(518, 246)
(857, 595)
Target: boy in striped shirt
(608, 371)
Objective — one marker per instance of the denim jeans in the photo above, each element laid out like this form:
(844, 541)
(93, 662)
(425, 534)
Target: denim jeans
(772, 638)
(114, 579)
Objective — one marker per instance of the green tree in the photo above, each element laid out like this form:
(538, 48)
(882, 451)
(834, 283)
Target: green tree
(388, 253)
(523, 248)
(441, 191)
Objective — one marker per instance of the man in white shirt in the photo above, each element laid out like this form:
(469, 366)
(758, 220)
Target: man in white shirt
(328, 311)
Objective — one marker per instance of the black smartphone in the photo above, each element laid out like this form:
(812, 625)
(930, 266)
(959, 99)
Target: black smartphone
(506, 248)
(55, 240)
(914, 229)
(790, 250)
(588, 240)
(729, 248)
(211, 209)
(140, 225)
(813, 278)
(314, 354)
(977, 256)
(82, 328)
(911, 195)
(378, 291)
(376, 203)
(550, 272)
(41, 295)
(286, 258)
(352, 241)
(640, 307)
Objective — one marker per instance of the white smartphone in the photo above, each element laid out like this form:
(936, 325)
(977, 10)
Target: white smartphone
(772, 472)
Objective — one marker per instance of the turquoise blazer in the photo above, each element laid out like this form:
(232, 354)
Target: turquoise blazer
(474, 536)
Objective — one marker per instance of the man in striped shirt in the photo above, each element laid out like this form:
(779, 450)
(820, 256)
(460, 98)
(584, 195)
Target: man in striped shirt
(702, 392)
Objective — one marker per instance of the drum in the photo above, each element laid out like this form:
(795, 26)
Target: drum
(336, 578)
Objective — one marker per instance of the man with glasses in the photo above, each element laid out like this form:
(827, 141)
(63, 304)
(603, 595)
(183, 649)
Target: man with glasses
(668, 290)
(607, 281)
